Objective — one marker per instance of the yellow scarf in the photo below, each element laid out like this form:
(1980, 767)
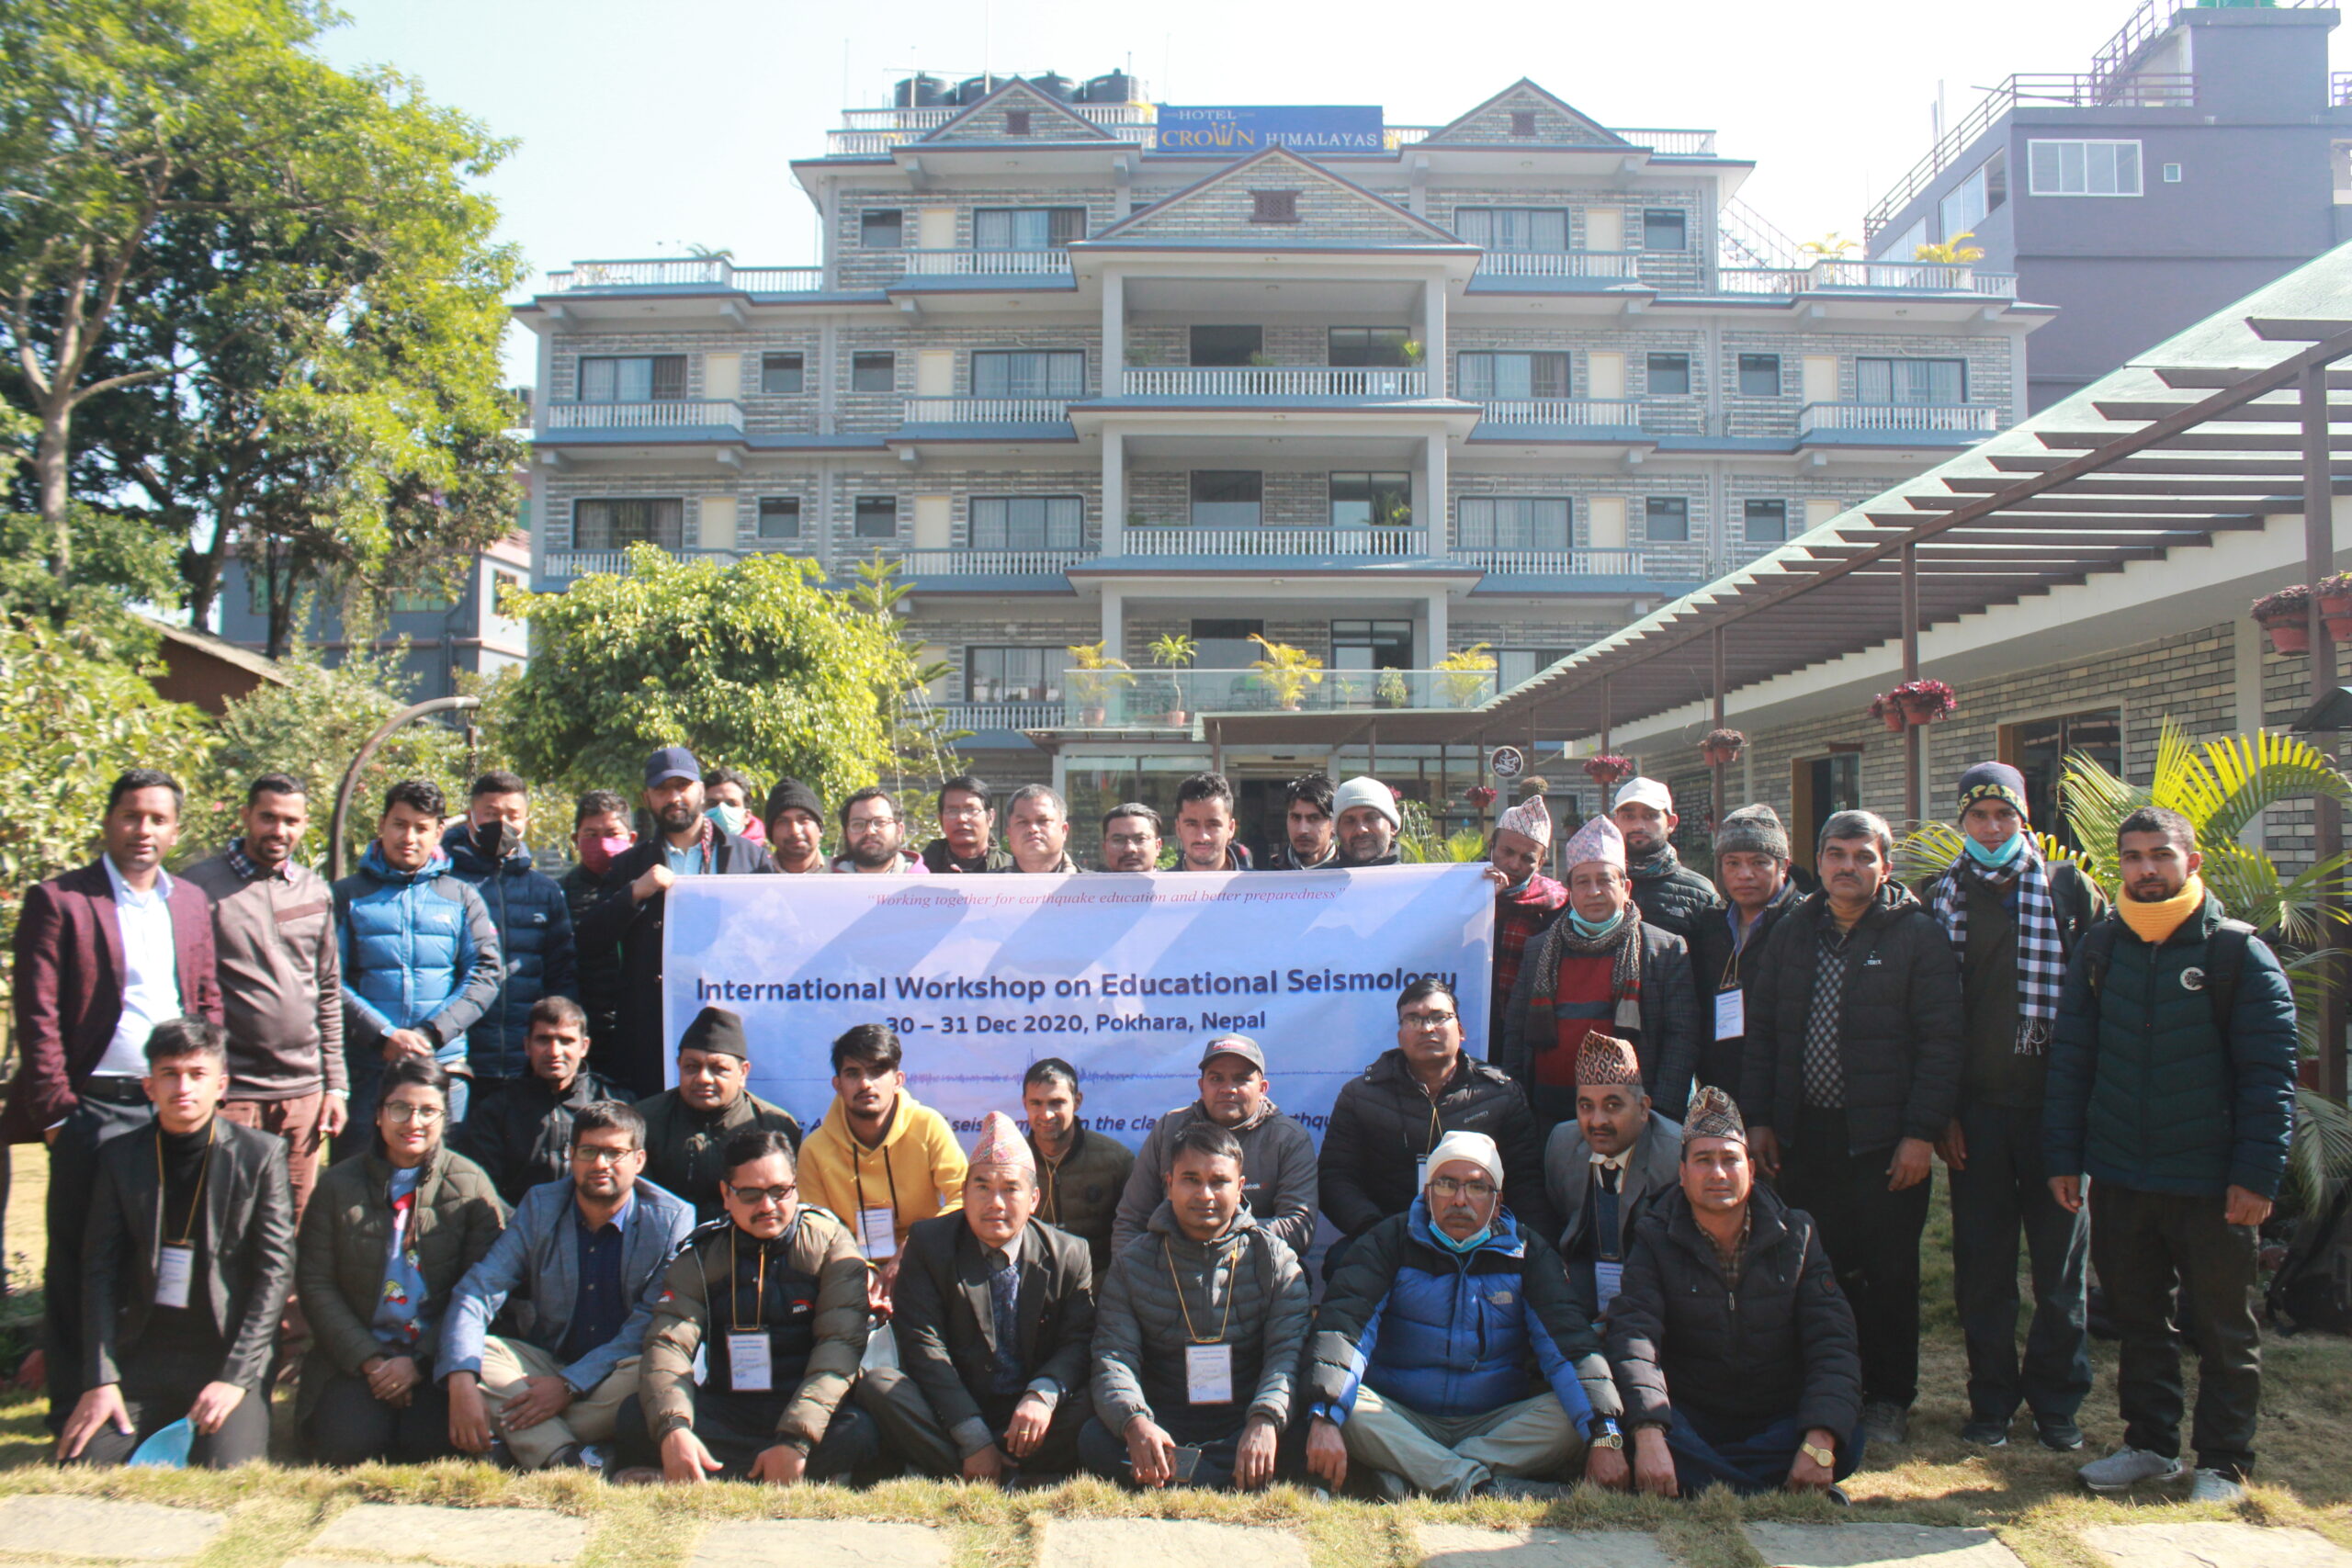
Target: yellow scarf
(2154, 922)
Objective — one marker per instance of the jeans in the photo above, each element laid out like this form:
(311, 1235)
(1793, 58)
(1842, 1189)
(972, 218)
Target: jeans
(1872, 1239)
(1997, 1192)
(350, 1425)
(1217, 1435)
(2147, 1246)
(1743, 1455)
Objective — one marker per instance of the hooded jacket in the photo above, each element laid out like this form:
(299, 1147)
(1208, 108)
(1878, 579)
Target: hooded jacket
(1279, 1183)
(917, 1171)
(1384, 1124)
(1246, 1279)
(534, 923)
(419, 951)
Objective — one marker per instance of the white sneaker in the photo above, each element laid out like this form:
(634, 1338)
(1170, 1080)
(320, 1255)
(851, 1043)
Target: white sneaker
(2212, 1486)
(2128, 1467)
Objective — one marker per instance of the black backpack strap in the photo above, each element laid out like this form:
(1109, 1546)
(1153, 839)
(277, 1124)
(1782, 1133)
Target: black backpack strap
(2098, 950)
(2225, 962)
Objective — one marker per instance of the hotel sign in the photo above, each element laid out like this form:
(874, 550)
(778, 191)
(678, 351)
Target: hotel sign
(1238, 131)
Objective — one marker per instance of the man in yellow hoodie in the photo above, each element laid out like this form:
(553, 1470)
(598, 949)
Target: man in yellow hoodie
(880, 1160)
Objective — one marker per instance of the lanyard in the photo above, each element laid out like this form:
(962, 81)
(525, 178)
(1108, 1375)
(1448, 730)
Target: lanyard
(1168, 1253)
(735, 1287)
(203, 1169)
(858, 1176)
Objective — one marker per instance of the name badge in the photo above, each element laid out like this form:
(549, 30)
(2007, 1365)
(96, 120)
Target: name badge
(173, 1272)
(1608, 1278)
(1208, 1374)
(750, 1362)
(879, 1230)
(1731, 1014)
(1422, 1173)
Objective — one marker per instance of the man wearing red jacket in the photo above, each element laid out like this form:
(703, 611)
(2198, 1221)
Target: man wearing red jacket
(102, 955)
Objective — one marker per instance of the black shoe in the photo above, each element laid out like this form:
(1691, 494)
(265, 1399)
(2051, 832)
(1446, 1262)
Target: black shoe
(1985, 1432)
(1883, 1421)
(2058, 1432)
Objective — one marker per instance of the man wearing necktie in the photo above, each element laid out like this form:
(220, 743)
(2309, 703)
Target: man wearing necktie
(1602, 1167)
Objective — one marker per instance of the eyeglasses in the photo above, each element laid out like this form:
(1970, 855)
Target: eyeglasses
(761, 1197)
(400, 1111)
(1426, 1020)
(871, 824)
(1477, 1192)
(1131, 841)
(582, 1154)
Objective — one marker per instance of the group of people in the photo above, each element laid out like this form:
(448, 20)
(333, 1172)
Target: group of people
(1664, 1234)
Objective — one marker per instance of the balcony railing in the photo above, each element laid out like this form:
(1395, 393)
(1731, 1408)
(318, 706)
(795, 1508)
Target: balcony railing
(1561, 411)
(1665, 143)
(986, 410)
(1150, 540)
(1561, 264)
(1278, 381)
(1939, 419)
(2339, 89)
(684, 413)
(675, 272)
(1155, 698)
(1554, 563)
(563, 566)
(985, 264)
(1002, 715)
(1943, 278)
(986, 563)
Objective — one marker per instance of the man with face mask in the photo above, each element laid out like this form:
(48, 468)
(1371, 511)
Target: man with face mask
(1525, 899)
(730, 794)
(534, 921)
(1673, 898)
(600, 832)
(628, 920)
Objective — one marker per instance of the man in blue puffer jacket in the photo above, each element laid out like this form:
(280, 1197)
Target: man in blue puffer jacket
(533, 917)
(420, 955)
(1454, 1355)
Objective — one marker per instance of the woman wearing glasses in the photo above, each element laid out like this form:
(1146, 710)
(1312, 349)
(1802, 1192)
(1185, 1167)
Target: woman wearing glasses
(387, 1238)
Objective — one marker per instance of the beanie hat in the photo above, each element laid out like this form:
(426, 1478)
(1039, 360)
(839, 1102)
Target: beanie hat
(1714, 1114)
(1597, 840)
(1364, 790)
(1993, 781)
(1646, 791)
(716, 1029)
(791, 795)
(1604, 1059)
(1001, 1145)
(1530, 817)
(1754, 828)
(1475, 1147)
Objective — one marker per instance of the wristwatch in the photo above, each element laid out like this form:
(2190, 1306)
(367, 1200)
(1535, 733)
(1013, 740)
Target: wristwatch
(1826, 1458)
(1606, 1435)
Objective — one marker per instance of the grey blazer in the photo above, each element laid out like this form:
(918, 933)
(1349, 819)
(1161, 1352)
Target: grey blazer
(1655, 1168)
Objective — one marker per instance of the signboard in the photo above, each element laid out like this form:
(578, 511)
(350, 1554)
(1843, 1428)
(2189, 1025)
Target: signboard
(1126, 977)
(1508, 763)
(1237, 130)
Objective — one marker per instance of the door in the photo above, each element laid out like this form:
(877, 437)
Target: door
(716, 528)
(934, 531)
(1604, 227)
(1605, 522)
(935, 228)
(722, 375)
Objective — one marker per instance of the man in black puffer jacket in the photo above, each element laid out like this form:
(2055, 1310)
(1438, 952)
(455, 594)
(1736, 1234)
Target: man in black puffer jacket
(1854, 1049)
(533, 921)
(1673, 898)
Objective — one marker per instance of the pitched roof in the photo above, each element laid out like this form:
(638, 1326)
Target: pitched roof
(1331, 209)
(1557, 123)
(984, 121)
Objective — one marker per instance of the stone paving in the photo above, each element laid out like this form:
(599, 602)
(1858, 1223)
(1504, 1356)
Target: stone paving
(2213, 1544)
(820, 1543)
(467, 1538)
(1463, 1546)
(1167, 1543)
(1871, 1545)
(112, 1533)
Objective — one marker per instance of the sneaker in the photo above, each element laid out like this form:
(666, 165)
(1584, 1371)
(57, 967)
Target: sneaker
(2217, 1487)
(1837, 1496)
(1985, 1432)
(2128, 1467)
(1883, 1421)
(2058, 1432)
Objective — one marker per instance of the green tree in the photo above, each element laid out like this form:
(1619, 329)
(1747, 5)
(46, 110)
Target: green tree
(922, 744)
(754, 663)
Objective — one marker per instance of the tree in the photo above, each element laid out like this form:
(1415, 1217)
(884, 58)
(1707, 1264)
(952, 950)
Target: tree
(754, 664)
(920, 743)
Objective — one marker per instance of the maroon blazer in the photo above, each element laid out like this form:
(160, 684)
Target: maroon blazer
(69, 988)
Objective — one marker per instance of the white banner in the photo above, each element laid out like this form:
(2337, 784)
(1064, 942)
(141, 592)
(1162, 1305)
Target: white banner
(1126, 977)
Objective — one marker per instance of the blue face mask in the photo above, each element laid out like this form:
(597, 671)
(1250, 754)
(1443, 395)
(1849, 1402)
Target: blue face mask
(2009, 850)
(1589, 930)
(730, 817)
(1471, 1242)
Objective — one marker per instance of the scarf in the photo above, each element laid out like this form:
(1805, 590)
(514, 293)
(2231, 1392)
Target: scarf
(2154, 922)
(1622, 941)
(2041, 961)
(1649, 868)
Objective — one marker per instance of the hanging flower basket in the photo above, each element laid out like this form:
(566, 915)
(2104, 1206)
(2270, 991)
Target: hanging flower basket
(1884, 708)
(2335, 604)
(1609, 769)
(2285, 616)
(1720, 747)
(1480, 795)
(1925, 702)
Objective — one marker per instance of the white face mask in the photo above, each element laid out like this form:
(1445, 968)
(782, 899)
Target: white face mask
(730, 817)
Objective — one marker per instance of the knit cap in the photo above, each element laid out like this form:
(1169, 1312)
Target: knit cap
(1475, 1147)
(1365, 790)
(716, 1029)
(1993, 781)
(791, 795)
(1756, 829)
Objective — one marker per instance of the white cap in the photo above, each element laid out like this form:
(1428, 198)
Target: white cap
(1647, 792)
(1365, 790)
(1475, 1147)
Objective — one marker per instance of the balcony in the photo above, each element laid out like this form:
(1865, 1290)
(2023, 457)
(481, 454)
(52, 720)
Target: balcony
(919, 563)
(1617, 412)
(978, 718)
(685, 272)
(1616, 265)
(986, 410)
(1278, 381)
(557, 566)
(986, 264)
(1147, 540)
(676, 414)
(1554, 563)
(1901, 419)
(1152, 698)
(1877, 276)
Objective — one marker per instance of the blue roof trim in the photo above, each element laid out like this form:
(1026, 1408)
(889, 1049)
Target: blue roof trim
(1488, 434)
(1501, 584)
(664, 436)
(691, 290)
(1052, 584)
(985, 282)
(1772, 444)
(789, 442)
(1253, 405)
(1056, 430)
(1955, 439)
(1487, 283)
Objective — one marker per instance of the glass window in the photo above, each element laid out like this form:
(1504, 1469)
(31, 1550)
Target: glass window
(1669, 375)
(1372, 645)
(634, 378)
(1227, 498)
(1512, 522)
(1513, 228)
(613, 524)
(781, 373)
(1027, 521)
(1226, 645)
(2038, 750)
(1014, 674)
(1487, 377)
(1026, 228)
(421, 602)
(1362, 499)
(1942, 382)
(1759, 375)
(1517, 666)
(1664, 228)
(881, 229)
(1227, 345)
(1766, 522)
(1904, 246)
(1965, 205)
(873, 372)
(779, 517)
(2083, 168)
(1029, 373)
(1382, 346)
(1666, 520)
(878, 518)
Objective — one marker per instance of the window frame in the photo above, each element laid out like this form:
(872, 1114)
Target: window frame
(759, 518)
(1048, 688)
(1747, 519)
(1058, 380)
(1372, 336)
(1497, 222)
(1193, 344)
(799, 370)
(666, 377)
(860, 506)
(1742, 368)
(653, 535)
(1862, 363)
(1193, 501)
(1064, 224)
(1650, 364)
(1654, 507)
(866, 223)
(1059, 525)
(1475, 368)
(1480, 523)
(1656, 218)
(2033, 163)
(862, 361)
(1377, 484)
(1274, 207)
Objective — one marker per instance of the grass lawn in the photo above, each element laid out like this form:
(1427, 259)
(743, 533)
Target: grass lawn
(2025, 1494)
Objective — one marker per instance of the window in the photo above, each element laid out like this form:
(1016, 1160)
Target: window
(2083, 168)
(1029, 373)
(1759, 375)
(876, 517)
(1523, 122)
(873, 372)
(1274, 207)
(1363, 501)
(781, 373)
(1663, 229)
(1027, 521)
(1367, 345)
(1766, 522)
(1483, 377)
(882, 229)
(1227, 345)
(639, 378)
(1227, 498)
(1906, 246)
(2038, 750)
(1226, 645)
(1513, 228)
(1026, 228)
(614, 524)
(1942, 382)
(1016, 122)
(1666, 520)
(1966, 204)
(421, 602)
(1669, 375)
(1512, 522)
(1014, 674)
(2172, 173)
(779, 517)
(1517, 666)
(1372, 645)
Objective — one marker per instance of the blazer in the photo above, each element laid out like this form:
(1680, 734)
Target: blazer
(1656, 1167)
(946, 1324)
(69, 988)
(247, 1257)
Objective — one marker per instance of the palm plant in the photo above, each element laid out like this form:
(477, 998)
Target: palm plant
(1417, 843)
(1287, 671)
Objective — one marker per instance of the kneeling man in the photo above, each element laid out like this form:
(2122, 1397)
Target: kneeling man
(993, 1315)
(1452, 1354)
(1733, 1345)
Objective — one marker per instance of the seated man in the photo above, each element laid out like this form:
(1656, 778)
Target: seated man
(1602, 1167)
(520, 1129)
(1081, 1173)
(1453, 1355)
(588, 1254)
(993, 1317)
(186, 1263)
(687, 1128)
(1197, 1333)
(774, 1297)
(1734, 1348)
(1277, 1153)
(881, 1160)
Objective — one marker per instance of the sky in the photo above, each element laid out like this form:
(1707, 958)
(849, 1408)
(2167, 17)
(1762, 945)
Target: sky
(643, 129)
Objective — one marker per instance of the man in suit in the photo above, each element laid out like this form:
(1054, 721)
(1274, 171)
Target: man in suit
(994, 1315)
(102, 955)
(185, 1265)
(1602, 1167)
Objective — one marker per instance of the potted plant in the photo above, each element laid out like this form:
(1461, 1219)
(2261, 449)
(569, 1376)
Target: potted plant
(1925, 702)
(1390, 690)
(1884, 708)
(1092, 679)
(1346, 691)
(2335, 604)
(1414, 351)
(2286, 616)
(1609, 769)
(1287, 671)
(1722, 747)
(1170, 652)
(1469, 672)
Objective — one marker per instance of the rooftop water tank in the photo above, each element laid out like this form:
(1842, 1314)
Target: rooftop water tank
(1118, 87)
(1054, 84)
(974, 89)
(922, 93)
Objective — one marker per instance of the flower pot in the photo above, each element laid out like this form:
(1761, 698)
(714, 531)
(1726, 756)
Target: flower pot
(2340, 628)
(1893, 720)
(2334, 604)
(1719, 756)
(1092, 719)
(1920, 710)
(1176, 719)
(2289, 636)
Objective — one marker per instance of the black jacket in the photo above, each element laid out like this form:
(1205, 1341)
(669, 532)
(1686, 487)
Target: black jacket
(245, 1257)
(1382, 1125)
(683, 1144)
(600, 982)
(946, 1327)
(1782, 1344)
(626, 932)
(1670, 1018)
(1899, 1022)
(520, 1131)
(1711, 960)
(1673, 898)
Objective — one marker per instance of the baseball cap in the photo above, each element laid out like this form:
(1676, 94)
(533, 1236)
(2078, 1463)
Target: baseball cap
(1240, 1045)
(672, 762)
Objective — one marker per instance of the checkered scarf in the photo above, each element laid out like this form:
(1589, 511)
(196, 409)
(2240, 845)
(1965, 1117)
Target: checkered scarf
(2042, 960)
